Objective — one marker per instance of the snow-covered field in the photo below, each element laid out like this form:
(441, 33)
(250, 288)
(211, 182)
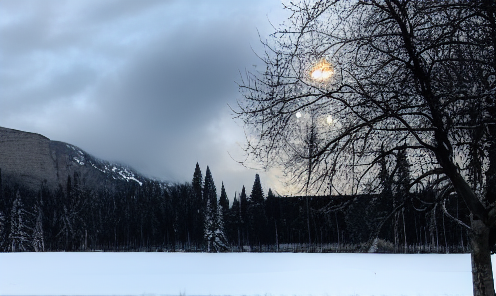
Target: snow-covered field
(233, 274)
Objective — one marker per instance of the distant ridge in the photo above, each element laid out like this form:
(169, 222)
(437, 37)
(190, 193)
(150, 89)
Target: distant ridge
(31, 159)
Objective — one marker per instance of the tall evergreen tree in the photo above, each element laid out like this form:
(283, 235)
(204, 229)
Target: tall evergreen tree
(257, 216)
(2, 227)
(273, 216)
(210, 193)
(2, 209)
(224, 203)
(257, 195)
(220, 242)
(1, 187)
(19, 236)
(198, 205)
(234, 230)
(197, 183)
(214, 235)
(38, 240)
(243, 205)
(73, 224)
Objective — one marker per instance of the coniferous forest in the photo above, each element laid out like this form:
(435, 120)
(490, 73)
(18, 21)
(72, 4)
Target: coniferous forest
(195, 216)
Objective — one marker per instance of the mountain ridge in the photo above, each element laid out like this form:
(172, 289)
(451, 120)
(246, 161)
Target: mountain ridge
(32, 159)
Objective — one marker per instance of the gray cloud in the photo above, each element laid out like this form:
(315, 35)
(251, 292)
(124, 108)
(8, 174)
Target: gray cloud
(145, 83)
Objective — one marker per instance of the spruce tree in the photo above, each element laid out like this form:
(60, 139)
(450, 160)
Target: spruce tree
(2, 227)
(271, 206)
(220, 242)
(19, 237)
(197, 183)
(210, 193)
(270, 193)
(273, 216)
(256, 212)
(38, 241)
(235, 209)
(198, 205)
(243, 205)
(1, 188)
(257, 195)
(2, 209)
(234, 232)
(214, 228)
(224, 203)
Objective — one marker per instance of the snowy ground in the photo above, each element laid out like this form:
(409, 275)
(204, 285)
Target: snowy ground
(233, 274)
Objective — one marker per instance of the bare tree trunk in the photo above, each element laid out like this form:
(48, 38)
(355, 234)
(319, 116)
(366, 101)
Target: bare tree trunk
(404, 230)
(482, 272)
(337, 228)
(277, 238)
(395, 230)
(308, 224)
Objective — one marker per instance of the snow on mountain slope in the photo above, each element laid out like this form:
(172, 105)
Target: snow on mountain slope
(115, 171)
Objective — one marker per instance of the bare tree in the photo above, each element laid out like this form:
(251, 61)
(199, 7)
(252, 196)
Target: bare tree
(413, 76)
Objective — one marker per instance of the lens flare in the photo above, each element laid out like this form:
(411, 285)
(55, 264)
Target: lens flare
(323, 70)
(330, 121)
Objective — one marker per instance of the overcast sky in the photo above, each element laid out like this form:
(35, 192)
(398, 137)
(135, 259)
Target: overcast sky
(144, 83)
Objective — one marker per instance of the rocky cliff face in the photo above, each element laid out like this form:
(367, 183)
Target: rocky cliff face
(31, 159)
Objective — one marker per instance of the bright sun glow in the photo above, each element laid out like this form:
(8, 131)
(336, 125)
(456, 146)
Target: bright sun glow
(298, 114)
(329, 120)
(322, 70)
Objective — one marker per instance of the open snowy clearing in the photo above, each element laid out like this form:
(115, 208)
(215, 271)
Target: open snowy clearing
(234, 274)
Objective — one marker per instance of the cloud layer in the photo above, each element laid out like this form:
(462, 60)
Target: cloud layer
(146, 83)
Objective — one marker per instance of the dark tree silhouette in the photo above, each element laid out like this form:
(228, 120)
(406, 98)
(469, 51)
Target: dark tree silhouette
(256, 211)
(198, 205)
(413, 76)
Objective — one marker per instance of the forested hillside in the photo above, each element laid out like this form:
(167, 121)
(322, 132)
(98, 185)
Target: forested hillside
(195, 216)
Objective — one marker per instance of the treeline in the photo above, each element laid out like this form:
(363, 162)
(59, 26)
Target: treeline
(194, 217)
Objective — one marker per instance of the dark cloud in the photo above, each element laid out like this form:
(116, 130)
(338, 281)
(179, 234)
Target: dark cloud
(184, 78)
(145, 83)
(103, 12)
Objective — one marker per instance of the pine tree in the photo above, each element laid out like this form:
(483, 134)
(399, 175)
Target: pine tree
(2, 208)
(2, 225)
(224, 202)
(273, 216)
(198, 206)
(257, 195)
(38, 237)
(243, 205)
(210, 194)
(73, 226)
(197, 183)
(1, 187)
(214, 228)
(234, 232)
(220, 242)
(19, 236)
(256, 212)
